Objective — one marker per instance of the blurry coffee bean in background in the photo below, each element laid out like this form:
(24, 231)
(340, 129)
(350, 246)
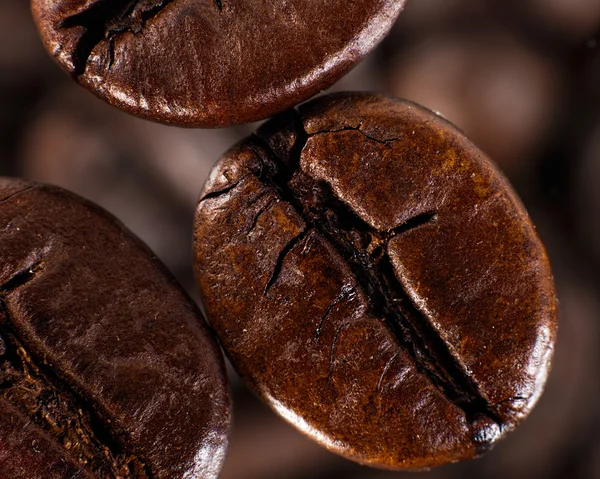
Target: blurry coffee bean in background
(503, 95)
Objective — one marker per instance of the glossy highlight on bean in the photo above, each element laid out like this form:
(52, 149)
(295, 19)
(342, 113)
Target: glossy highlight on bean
(210, 63)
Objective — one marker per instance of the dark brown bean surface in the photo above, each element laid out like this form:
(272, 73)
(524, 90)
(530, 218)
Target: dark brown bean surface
(376, 281)
(106, 367)
(210, 62)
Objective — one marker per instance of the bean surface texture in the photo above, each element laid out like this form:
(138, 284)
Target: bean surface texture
(107, 369)
(210, 62)
(376, 281)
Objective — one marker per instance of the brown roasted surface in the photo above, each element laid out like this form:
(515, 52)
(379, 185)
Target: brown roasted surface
(520, 78)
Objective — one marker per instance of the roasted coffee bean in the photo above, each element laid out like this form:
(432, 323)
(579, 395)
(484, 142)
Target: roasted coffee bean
(106, 367)
(375, 279)
(210, 62)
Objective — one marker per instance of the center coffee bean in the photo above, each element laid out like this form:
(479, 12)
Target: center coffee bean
(106, 367)
(374, 278)
(210, 62)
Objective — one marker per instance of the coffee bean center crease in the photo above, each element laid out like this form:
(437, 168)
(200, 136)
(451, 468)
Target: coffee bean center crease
(106, 18)
(30, 385)
(364, 249)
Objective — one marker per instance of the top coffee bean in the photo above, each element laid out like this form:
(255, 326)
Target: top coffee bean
(377, 281)
(210, 62)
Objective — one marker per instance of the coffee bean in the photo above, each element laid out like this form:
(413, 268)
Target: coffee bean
(106, 367)
(210, 62)
(375, 279)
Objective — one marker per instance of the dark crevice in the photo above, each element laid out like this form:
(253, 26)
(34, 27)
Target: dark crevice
(215, 194)
(345, 293)
(388, 300)
(281, 258)
(430, 350)
(365, 251)
(259, 213)
(106, 18)
(22, 278)
(111, 53)
(414, 222)
(30, 384)
(358, 128)
(299, 144)
(219, 5)
(17, 193)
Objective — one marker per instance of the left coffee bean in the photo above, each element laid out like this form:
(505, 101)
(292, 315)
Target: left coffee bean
(107, 369)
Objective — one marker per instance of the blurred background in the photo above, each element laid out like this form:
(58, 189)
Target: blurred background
(520, 77)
